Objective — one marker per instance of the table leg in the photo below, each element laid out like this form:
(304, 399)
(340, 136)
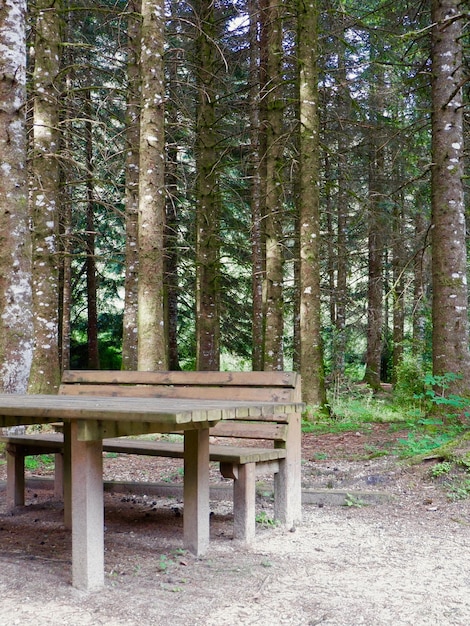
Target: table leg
(196, 490)
(87, 513)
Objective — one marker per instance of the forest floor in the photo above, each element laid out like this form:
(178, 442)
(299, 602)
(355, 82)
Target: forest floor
(401, 557)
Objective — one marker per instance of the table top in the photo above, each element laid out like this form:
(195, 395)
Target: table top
(158, 414)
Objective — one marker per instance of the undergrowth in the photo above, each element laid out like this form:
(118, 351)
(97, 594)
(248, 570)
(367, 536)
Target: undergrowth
(32, 463)
(429, 415)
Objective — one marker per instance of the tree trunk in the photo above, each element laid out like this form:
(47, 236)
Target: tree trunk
(311, 361)
(398, 290)
(65, 279)
(257, 255)
(421, 278)
(90, 264)
(449, 255)
(172, 224)
(208, 209)
(65, 211)
(376, 224)
(274, 304)
(342, 264)
(152, 331)
(16, 324)
(130, 326)
(45, 174)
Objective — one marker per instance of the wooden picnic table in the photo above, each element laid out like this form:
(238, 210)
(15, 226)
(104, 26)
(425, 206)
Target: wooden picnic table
(87, 420)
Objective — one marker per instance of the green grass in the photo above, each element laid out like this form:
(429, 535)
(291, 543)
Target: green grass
(419, 442)
(38, 461)
(368, 410)
(358, 412)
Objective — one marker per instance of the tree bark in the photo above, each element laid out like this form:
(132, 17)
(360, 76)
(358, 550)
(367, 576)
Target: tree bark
(152, 353)
(16, 324)
(376, 224)
(208, 209)
(93, 357)
(341, 263)
(257, 254)
(449, 255)
(311, 362)
(130, 325)
(398, 290)
(274, 299)
(172, 221)
(45, 176)
(421, 280)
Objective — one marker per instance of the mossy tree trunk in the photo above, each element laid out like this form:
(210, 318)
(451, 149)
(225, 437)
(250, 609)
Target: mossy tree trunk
(16, 324)
(152, 339)
(44, 198)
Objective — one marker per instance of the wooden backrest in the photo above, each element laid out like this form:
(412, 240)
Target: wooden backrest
(249, 386)
(256, 386)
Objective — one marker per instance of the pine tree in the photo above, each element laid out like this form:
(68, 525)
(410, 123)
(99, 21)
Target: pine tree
(151, 317)
(16, 325)
(45, 193)
(449, 253)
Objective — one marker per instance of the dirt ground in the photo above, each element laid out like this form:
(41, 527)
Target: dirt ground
(403, 560)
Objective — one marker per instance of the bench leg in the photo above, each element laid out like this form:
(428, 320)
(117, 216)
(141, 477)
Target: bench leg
(59, 476)
(15, 477)
(67, 476)
(244, 501)
(196, 490)
(288, 481)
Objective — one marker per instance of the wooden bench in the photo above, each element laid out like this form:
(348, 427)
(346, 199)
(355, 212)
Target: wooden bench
(275, 440)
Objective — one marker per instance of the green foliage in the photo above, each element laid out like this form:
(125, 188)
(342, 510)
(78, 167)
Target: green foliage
(164, 562)
(459, 490)
(109, 342)
(437, 388)
(353, 501)
(355, 409)
(368, 408)
(417, 443)
(334, 426)
(264, 520)
(410, 381)
(38, 461)
(441, 469)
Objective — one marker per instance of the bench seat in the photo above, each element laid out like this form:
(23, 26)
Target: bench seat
(53, 443)
(243, 464)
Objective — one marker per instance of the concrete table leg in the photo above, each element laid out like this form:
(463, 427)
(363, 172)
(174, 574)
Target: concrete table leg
(196, 490)
(87, 513)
